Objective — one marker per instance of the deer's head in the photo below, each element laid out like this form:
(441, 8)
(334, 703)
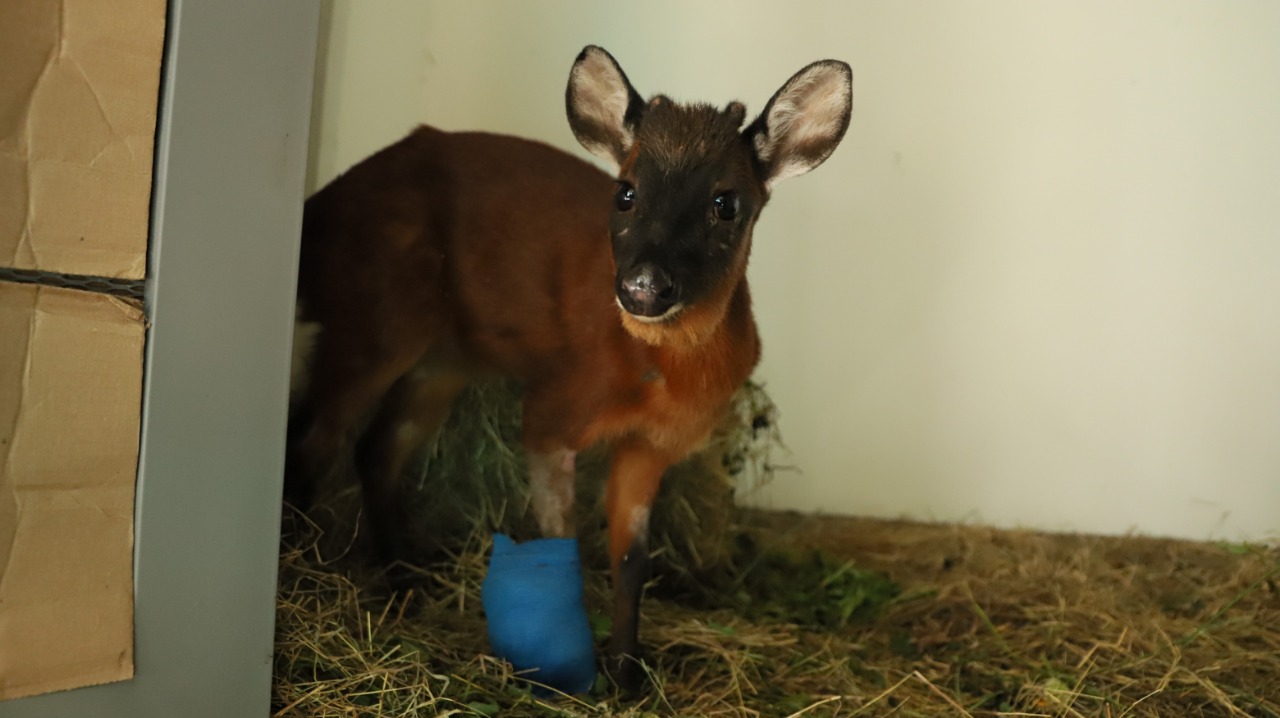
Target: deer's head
(692, 181)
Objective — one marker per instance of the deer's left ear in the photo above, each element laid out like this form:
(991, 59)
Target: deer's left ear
(804, 121)
(604, 109)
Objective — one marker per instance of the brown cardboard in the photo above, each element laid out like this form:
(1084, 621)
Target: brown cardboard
(78, 96)
(70, 403)
(78, 89)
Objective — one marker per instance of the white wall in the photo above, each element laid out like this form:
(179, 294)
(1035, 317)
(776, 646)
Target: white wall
(1038, 285)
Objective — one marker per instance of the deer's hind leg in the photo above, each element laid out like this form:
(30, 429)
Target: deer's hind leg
(352, 363)
(411, 412)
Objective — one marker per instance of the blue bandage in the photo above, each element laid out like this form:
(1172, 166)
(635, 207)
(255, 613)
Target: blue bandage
(532, 600)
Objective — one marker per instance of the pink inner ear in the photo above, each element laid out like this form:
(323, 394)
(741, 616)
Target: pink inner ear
(601, 96)
(806, 122)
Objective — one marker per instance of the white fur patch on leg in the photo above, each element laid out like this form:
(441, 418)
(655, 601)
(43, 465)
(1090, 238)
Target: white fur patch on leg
(640, 524)
(304, 344)
(407, 434)
(551, 491)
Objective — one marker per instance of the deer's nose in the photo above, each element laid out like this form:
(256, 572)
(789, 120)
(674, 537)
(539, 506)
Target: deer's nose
(647, 291)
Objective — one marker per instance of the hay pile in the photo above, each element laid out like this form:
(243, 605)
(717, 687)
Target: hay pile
(472, 481)
(755, 614)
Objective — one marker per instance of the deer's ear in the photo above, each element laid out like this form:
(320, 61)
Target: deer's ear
(604, 109)
(804, 121)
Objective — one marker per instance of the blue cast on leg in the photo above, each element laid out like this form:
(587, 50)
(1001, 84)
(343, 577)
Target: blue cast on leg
(532, 598)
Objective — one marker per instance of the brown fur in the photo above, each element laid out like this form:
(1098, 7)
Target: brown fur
(438, 260)
(449, 256)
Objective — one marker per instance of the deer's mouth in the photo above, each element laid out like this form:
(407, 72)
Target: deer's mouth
(666, 315)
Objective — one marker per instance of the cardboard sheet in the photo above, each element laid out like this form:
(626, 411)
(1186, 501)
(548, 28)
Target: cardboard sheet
(78, 91)
(70, 401)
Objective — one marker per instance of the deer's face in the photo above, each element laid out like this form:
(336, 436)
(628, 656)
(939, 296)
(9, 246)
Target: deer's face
(691, 183)
(687, 198)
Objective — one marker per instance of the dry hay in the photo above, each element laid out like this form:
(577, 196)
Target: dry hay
(998, 622)
(762, 614)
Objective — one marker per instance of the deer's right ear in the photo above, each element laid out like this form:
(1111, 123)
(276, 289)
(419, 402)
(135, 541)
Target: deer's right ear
(604, 109)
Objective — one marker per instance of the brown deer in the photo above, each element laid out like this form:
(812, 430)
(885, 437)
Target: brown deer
(620, 303)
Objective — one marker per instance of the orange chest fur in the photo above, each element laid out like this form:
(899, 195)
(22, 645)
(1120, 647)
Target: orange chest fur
(675, 406)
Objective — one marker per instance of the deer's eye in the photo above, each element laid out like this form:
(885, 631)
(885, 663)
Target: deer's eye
(625, 198)
(725, 206)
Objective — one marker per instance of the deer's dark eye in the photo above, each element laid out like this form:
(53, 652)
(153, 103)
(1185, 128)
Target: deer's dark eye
(625, 198)
(725, 205)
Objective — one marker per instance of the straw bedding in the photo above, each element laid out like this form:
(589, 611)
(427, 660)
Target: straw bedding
(772, 614)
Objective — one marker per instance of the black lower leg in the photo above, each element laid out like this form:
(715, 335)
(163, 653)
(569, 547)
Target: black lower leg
(629, 577)
(307, 460)
(384, 512)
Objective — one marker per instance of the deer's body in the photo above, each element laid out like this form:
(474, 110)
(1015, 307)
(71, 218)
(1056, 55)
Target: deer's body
(449, 256)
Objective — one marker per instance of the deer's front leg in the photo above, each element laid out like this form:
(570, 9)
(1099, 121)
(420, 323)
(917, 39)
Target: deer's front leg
(551, 487)
(532, 593)
(633, 483)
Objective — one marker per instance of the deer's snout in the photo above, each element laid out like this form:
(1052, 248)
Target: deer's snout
(648, 292)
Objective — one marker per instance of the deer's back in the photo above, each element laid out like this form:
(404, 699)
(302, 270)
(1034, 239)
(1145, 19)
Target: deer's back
(501, 242)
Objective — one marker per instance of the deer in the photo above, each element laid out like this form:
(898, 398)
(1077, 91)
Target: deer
(618, 300)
